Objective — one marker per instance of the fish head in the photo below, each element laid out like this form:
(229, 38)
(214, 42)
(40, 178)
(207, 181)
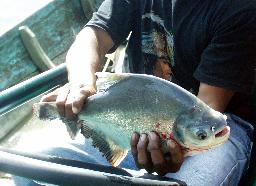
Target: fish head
(199, 130)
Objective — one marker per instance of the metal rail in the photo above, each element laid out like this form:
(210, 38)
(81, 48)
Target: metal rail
(60, 174)
(22, 92)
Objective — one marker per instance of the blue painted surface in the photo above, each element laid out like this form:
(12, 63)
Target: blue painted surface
(55, 27)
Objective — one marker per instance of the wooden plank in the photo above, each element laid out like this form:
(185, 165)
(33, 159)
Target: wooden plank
(55, 27)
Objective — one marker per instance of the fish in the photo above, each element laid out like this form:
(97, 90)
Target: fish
(128, 102)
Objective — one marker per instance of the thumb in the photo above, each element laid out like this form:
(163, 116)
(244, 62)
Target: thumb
(175, 152)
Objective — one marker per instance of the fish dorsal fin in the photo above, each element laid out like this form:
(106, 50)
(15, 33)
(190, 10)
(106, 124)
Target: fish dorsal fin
(113, 152)
(106, 79)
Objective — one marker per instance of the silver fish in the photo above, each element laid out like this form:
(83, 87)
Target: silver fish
(126, 102)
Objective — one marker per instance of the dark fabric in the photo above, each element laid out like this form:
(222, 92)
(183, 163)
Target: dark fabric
(209, 41)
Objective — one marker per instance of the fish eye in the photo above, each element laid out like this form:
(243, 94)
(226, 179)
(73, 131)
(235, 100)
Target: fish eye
(201, 134)
(213, 128)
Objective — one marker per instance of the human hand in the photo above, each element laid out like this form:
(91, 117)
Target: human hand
(69, 99)
(147, 153)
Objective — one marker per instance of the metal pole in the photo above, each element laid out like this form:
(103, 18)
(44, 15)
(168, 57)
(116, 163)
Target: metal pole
(66, 175)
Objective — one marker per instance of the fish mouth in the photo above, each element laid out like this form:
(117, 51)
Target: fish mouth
(223, 133)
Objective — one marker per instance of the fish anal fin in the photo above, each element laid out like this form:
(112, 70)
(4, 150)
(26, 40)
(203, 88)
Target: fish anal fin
(116, 155)
(111, 151)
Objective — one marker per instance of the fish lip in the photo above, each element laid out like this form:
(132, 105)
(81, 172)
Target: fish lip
(222, 132)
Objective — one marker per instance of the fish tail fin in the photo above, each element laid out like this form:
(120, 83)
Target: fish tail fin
(48, 111)
(107, 79)
(111, 151)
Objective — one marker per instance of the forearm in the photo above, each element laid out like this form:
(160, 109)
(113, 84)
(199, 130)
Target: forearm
(216, 97)
(86, 55)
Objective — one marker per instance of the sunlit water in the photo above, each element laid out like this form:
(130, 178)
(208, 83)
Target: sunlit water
(12, 12)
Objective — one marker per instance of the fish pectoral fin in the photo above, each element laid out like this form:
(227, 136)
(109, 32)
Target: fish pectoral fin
(106, 80)
(113, 152)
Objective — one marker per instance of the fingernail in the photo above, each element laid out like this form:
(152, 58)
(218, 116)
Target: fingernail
(143, 137)
(134, 136)
(152, 135)
(75, 110)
